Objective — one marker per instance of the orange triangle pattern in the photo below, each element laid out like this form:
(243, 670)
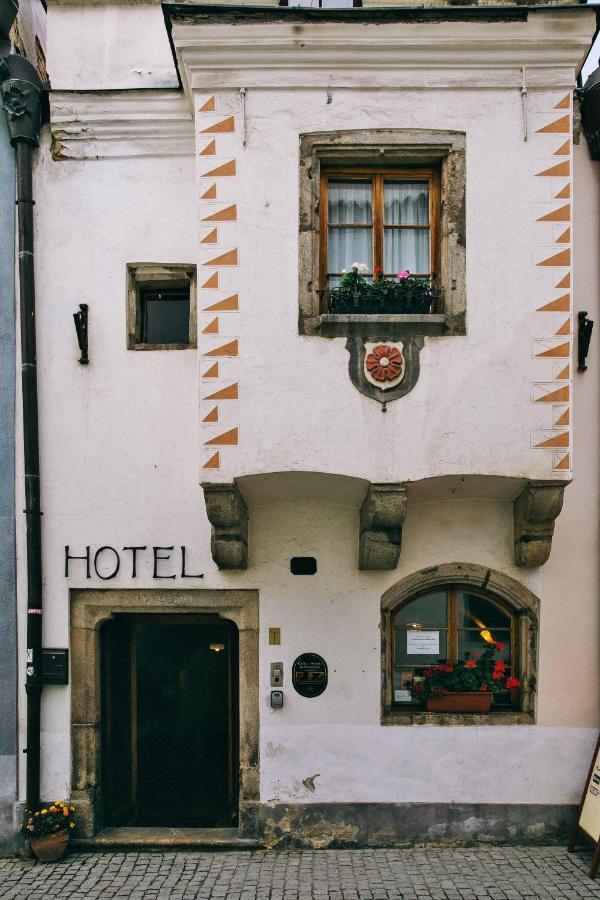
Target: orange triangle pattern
(210, 194)
(563, 420)
(564, 463)
(562, 214)
(211, 237)
(229, 214)
(564, 193)
(230, 437)
(230, 349)
(561, 304)
(559, 259)
(565, 281)
(559, 396)
(559, 126)
(224, 126)
(565, 237)
(214, 462)
(210, 106)
(226, 259)
(227, 168)
(212, 372)
(565, 103)
(212, 416)
(560, 350)
(559, 170)
(560, 440)
(564, 149)
(209, 150)
(228, 393)
(212, 327)
(229, 304)
(564, 329)
(212, 281)
(564, 374)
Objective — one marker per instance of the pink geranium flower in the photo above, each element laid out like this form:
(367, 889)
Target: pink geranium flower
(402, 275)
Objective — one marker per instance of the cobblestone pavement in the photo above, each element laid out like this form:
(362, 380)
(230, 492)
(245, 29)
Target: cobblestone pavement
(502, 873)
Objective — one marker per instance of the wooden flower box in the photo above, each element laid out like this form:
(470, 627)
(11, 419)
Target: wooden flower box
(460, 702)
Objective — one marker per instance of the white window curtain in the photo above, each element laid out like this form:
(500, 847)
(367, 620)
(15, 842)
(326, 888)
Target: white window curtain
(406, 249)
(350, 234)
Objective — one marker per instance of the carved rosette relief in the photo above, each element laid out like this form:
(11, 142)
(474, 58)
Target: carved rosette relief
(384, 370)
(384, 365)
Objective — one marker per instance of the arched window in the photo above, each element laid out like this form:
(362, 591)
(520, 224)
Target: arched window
(451, 624)
(458, 612)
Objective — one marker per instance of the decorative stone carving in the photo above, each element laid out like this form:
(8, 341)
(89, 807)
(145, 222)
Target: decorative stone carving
(382, 515)
(228, 515)
(384, 365)
(399, 375)
(534, 512)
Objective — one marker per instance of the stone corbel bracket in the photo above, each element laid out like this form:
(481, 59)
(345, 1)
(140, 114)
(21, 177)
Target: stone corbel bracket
(534, 513)
(382, 515)
(228, 516)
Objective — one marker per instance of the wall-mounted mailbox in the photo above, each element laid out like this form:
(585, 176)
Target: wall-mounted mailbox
(276, 699)
(55, 666)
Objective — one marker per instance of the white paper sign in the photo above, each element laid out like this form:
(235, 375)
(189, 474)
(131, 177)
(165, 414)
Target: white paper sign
(402, 696)
(424, 643)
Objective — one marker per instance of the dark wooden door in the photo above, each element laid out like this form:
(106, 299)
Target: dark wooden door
(118, 701)
(180, 715)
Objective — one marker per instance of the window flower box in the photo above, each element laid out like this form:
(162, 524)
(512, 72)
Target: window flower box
(402, 295)
(460, 702)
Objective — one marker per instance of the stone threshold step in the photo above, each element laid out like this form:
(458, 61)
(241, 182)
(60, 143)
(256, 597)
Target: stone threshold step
(136, 838)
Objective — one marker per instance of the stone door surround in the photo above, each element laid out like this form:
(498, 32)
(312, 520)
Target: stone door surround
(88, 610)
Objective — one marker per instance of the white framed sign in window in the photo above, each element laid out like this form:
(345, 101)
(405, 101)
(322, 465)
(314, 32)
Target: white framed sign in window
(423, 643)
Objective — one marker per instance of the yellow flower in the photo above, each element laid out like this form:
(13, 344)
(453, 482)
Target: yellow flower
(53, 809)
(71, 824)
(72, 808)
(44, 811)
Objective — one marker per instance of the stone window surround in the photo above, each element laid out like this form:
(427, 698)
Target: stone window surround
(384, 146)
(165, 275)
(525, 606)
(88, 610)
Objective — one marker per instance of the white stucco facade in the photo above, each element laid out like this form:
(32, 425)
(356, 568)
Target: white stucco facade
(123, 446)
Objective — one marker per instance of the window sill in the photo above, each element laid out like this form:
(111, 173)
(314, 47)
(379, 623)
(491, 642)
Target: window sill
(363, 325)
(507, 717)
(162, 347)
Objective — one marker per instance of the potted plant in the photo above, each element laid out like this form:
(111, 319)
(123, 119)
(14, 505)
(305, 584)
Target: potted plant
(465, 685)
(49, 830)
(399, 295)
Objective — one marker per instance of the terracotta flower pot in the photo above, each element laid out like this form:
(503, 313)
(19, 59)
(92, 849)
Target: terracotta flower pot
(467, 701)
(50, 847)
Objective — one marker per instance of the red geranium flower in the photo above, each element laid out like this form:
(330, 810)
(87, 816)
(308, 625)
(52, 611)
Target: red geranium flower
(498, 674)
(500, 646)
(470, 664)
(512, 682)
(385, 363)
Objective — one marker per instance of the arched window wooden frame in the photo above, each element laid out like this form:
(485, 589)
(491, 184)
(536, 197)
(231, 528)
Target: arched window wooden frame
(511, 597)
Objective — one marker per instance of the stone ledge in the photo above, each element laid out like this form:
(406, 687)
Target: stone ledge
(362, 325)
(509, 717)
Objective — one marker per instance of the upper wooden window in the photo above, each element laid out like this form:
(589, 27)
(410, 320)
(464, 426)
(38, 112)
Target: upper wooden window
(385, 219)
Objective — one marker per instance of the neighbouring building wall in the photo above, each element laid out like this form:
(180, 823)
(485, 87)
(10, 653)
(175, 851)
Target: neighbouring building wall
(8, 611)
(27, 36)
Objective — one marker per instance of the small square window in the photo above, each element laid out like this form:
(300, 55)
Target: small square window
(161, 306)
